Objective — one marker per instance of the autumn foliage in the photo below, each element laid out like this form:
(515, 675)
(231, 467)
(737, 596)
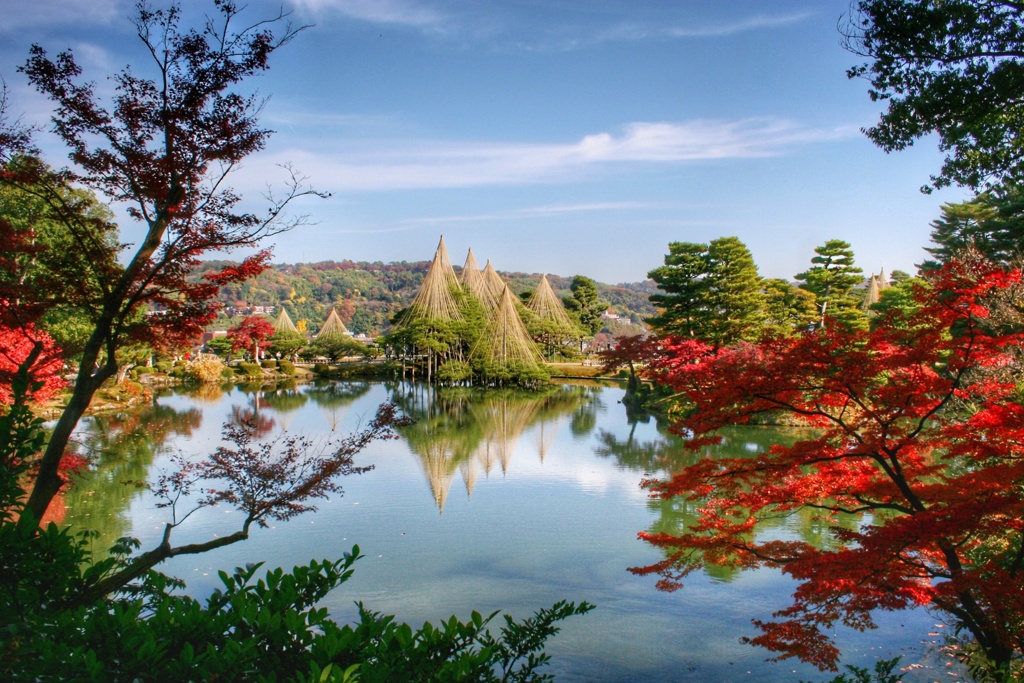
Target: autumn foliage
(250, 334)
(42, 361)
(911, 432)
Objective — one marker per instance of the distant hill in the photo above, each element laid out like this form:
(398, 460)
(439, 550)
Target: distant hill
(367, 294)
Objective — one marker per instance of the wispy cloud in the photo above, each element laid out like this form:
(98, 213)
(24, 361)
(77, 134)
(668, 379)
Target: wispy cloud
(390, 165)
(505, 27)
(376, 11)
(18, 16)
(757, 22)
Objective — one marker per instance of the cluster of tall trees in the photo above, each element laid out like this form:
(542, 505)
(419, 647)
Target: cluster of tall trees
(713, 292)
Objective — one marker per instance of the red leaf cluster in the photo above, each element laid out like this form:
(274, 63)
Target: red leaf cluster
(17, 345)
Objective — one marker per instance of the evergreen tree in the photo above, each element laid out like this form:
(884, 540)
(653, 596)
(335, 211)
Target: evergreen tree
(711, 291)
(790, 310)
(585, 304)
(832, 278)
(684, 281)
(992, 222)
(736, 298)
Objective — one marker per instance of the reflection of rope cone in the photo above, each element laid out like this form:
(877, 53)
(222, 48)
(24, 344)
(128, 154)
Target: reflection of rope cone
(505, 419)
(334, 416)
(469, 472)
(439, 466)
(485, 456)
(545, 436)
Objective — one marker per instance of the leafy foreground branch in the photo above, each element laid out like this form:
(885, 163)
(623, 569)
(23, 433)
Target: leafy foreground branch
(63, 617)
(269, 630)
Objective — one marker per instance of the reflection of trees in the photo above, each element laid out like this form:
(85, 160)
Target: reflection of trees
(334, 398)
(584, 419)
(121, 449)
(666, 453)
(472, 430)
(285, 399)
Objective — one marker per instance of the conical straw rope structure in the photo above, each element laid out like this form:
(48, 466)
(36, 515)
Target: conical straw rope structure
(473, 280)
(505, 340)
(546, 304)
(283, 324)
(493, 280)
(435, 299)
(333, 327)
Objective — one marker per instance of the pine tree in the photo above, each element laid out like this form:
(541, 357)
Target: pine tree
(832, 278)
(684, 281)
(736, 298)
(711, 292)
(991, 222)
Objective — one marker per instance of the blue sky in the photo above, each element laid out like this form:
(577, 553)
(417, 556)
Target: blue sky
(560, 136)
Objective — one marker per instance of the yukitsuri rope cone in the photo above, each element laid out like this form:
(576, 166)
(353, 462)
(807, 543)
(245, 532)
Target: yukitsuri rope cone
(494, 281)
(473, 280)
(546, 304)
(434, 298)
(505, 340)
(283, 324)
(333, 327)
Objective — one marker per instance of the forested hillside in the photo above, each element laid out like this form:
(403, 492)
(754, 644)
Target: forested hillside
(366, 294)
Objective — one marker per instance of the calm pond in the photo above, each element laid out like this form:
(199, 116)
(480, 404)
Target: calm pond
(492, 501)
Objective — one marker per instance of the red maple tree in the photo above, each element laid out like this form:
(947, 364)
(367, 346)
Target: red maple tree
(911, 432)
(163, 147)
(250, 334)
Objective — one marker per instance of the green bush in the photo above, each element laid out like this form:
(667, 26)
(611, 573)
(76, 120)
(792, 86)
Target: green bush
(286, 367)
(270, 629)
(454, 371)
(269, 363)
(227, 372)
(249, 369)
(139, 370)
(162, 366)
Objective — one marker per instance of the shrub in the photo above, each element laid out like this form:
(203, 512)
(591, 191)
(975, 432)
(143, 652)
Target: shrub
(162, 366)
(249, 369)
(139, 370)
(286, 367)
(269, 363)
(454, 371)
(205, 369)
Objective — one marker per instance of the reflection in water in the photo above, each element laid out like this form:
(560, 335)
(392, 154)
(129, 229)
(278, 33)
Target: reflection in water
(334, 398)
(121, 449)
(284, 399)
(564, 530)
(474, 431)
(662, 456)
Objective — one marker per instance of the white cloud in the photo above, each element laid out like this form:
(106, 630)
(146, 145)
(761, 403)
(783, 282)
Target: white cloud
(378, 11)
(753, 23)
(393, 165)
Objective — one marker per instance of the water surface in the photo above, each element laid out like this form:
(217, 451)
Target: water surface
(492, 501)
